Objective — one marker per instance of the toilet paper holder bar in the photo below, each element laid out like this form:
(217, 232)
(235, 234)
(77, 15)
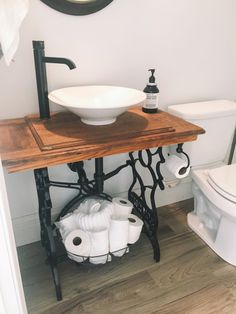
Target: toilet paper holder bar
(179, 150)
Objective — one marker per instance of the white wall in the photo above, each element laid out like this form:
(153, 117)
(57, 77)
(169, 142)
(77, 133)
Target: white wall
(11, 289)
(192, 43)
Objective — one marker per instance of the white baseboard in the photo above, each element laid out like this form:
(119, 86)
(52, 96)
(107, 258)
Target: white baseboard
(26, 228)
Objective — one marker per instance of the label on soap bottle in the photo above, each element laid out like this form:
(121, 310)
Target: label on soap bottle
(151, 101)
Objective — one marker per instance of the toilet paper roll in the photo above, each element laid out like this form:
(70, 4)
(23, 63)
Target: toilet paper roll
(118, 235)
(135, 228)
(78, 242)
(99, 247)
(122, 207)
(177, 166)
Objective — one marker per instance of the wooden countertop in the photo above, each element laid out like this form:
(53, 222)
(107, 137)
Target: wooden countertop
(31, 143)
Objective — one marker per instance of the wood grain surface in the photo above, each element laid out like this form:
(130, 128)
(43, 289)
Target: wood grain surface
(65, 129)
(31, 143)
(190, 278)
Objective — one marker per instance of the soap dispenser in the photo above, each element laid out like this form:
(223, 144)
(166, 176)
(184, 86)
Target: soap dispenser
(152, 92)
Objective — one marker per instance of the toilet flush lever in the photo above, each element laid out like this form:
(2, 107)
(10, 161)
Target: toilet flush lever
(179, 150)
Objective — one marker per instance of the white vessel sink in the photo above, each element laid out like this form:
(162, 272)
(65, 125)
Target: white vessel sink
(97, 105)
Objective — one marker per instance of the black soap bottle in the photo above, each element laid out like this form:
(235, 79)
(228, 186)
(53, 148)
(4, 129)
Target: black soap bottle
(152, 92)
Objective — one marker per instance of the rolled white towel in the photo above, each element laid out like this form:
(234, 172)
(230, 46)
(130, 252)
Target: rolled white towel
(88, 206)
(66, 224)
(96, 220)
(12, 13)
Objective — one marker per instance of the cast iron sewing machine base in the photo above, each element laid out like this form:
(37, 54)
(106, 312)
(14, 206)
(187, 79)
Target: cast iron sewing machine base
(144, 203)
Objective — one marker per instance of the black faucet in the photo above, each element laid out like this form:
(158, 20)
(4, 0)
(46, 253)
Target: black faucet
(41, 75)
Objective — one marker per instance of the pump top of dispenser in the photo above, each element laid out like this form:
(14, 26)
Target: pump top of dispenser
(151, 85)
(152, 78)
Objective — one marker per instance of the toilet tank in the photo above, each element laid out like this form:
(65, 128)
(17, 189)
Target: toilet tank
(218, 119)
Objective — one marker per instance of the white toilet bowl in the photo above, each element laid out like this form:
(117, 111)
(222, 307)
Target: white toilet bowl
(214, 186)
(214, 215)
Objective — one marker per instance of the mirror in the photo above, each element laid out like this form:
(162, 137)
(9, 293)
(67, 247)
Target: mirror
(77, 7)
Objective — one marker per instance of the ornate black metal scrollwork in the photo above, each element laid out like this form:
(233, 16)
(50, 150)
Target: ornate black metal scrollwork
(144, 203)
(179, 150)
(147, 212)
(45, 204)
(84, 186)
(47, 239)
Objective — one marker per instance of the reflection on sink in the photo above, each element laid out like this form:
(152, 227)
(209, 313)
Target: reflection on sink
(97, 105)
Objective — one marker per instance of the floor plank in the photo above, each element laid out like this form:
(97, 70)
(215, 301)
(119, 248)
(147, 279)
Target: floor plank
(213, 299)
(119, 295)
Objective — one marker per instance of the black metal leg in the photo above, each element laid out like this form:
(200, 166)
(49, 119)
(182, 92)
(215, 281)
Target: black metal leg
(148, 213)
(44, 200)
(52, 258)
(99, 175)
(85, 188)
(47, 239)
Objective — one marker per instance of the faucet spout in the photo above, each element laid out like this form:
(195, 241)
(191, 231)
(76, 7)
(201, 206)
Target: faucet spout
(65, 61)
(41, 75)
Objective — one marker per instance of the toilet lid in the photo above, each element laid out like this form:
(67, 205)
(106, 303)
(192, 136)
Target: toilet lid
(223, 180)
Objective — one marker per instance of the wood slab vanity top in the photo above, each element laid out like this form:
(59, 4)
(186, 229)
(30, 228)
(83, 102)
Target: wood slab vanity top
(30, 143)
(65, 130)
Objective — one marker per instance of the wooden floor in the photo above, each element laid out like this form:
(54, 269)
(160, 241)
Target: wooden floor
(189, 279)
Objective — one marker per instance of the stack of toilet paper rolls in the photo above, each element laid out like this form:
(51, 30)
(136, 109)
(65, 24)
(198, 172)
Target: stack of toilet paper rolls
(125, 228)
(98, 228)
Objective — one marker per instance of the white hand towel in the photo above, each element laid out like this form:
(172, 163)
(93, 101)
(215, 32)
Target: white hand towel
(66, 225)
(94, 220)
(12, 13)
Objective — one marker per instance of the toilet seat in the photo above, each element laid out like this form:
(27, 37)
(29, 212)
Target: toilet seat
(223, 181)
(214, 194)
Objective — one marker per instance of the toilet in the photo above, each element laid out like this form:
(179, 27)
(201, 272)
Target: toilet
(214, 182)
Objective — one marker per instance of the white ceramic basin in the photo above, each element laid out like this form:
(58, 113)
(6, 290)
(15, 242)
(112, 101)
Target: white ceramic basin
(97, 105)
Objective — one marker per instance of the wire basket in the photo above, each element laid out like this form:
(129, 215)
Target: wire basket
(98, 259)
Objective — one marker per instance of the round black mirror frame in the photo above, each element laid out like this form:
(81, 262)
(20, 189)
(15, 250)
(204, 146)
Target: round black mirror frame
(77, 8)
